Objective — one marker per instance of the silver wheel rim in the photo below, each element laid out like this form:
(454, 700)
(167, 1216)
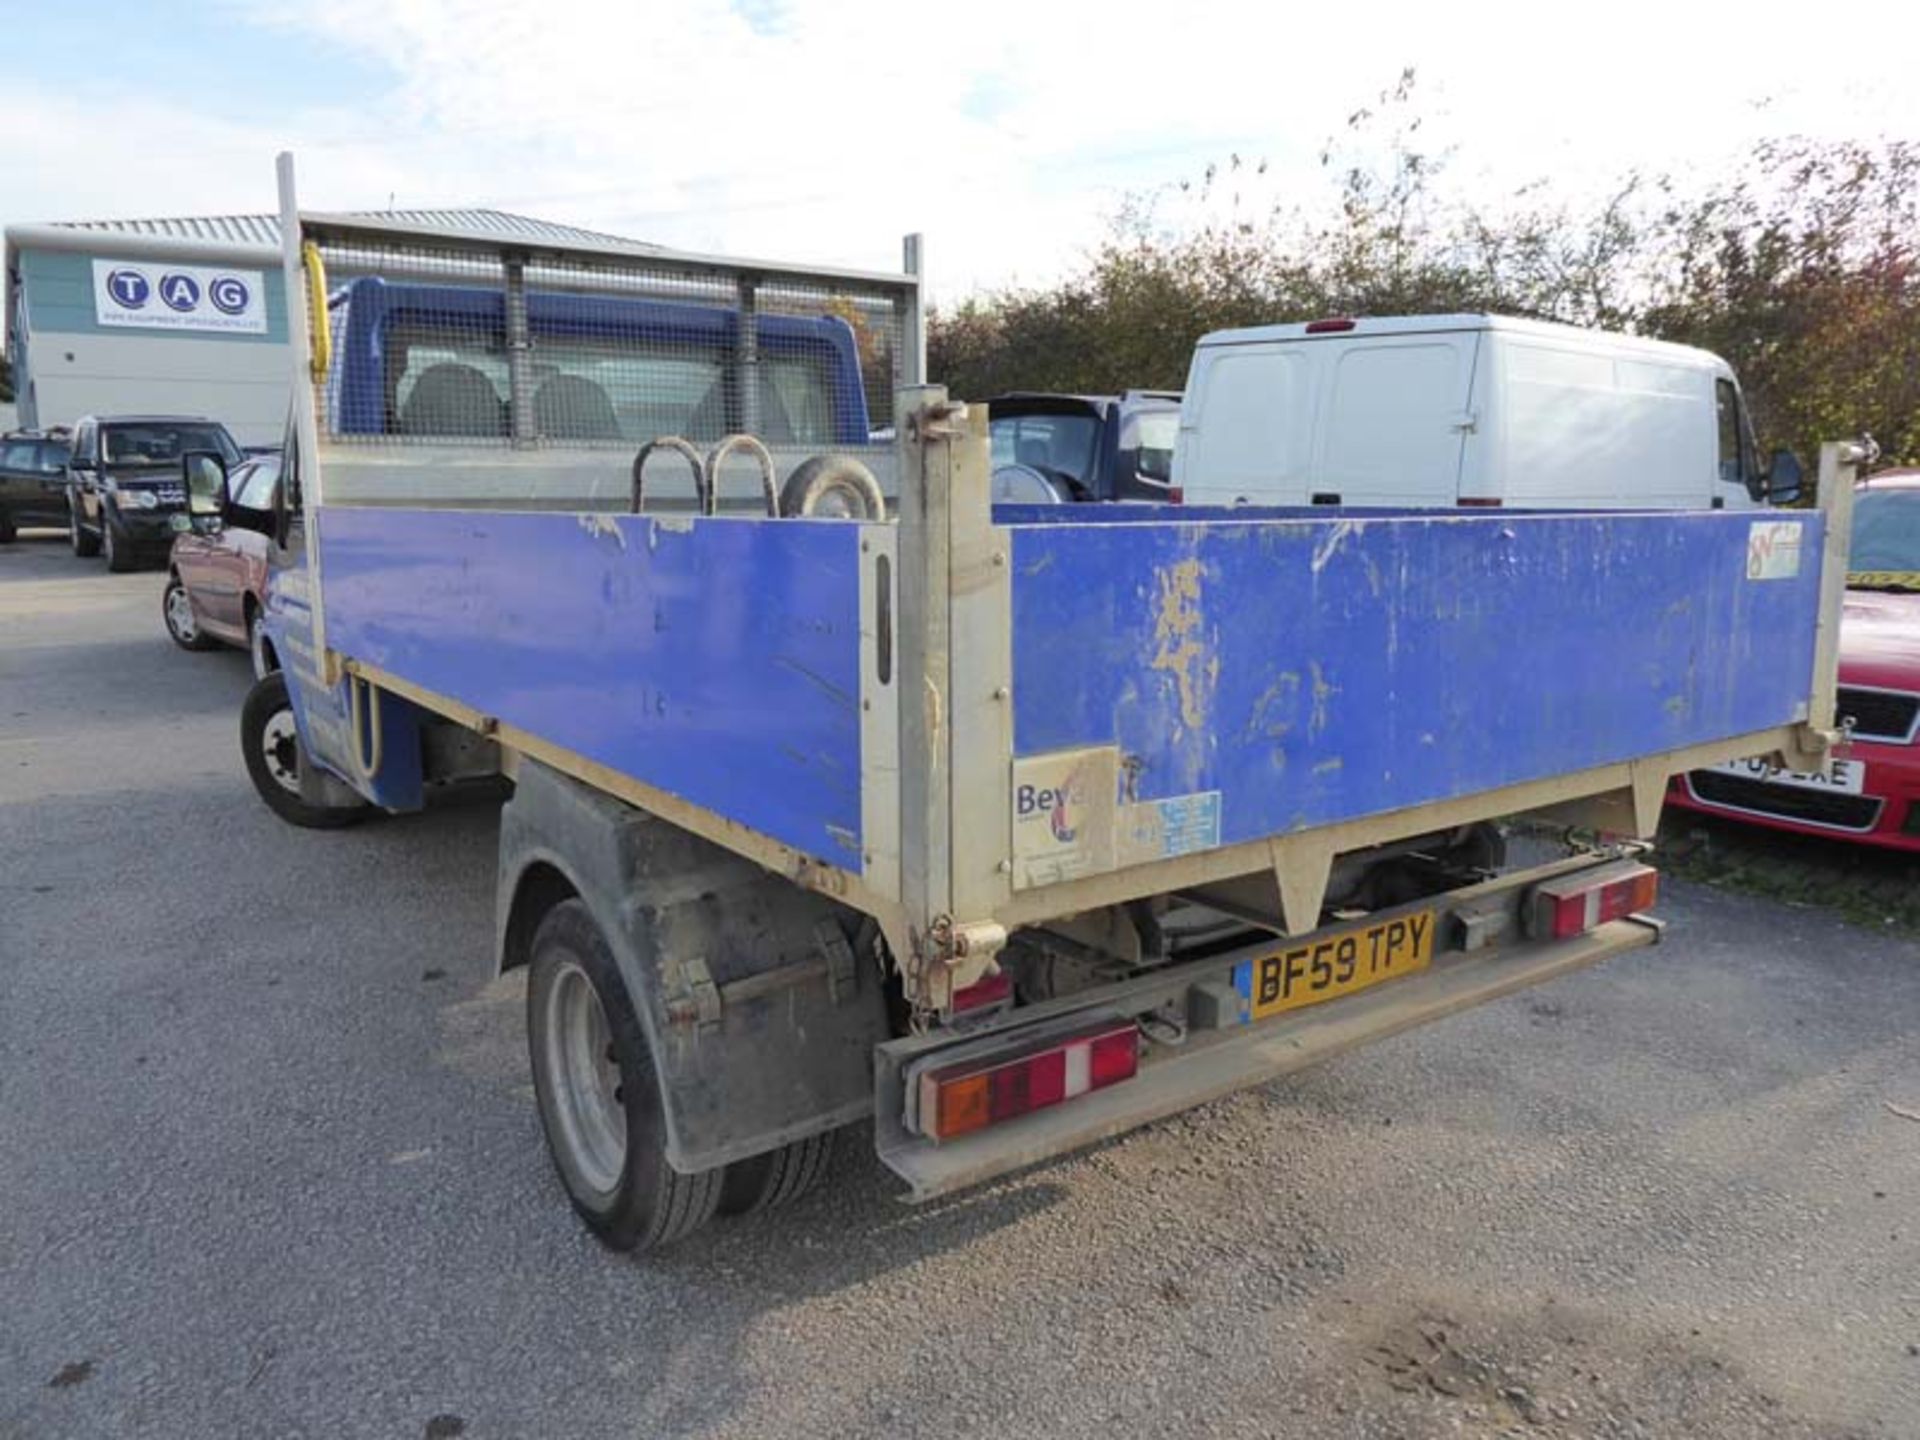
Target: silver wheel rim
(106, 541)
(280, 748)
(587, 1099)
(180, 613)
(256, 642)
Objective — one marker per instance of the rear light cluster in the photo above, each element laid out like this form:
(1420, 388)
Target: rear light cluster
(970, 1095)
(1577, 904)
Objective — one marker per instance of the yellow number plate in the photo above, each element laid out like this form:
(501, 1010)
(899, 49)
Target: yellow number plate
(1336, 965)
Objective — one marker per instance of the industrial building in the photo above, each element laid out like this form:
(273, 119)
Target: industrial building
(176, 316)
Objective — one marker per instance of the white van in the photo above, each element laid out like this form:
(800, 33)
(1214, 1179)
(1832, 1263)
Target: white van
(1441, 410)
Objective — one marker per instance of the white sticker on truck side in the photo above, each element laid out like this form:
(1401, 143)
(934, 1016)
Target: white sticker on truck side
(1162, 829)
(1773, 549)
(1063, 814)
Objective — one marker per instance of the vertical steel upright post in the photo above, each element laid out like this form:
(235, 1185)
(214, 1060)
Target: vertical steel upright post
(926, 740)
(519, 352)
(1838, 466)
(746, 359)
(913, 323)
(307, 395)
(955, 695)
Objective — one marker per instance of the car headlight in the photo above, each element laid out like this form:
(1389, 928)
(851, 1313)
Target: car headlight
(137, 499)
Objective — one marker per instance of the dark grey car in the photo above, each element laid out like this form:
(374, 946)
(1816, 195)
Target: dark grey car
(33, 481)
(123, 482)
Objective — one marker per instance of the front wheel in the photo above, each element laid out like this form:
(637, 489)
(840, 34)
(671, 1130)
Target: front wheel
(177, 610)
(270, 743)
(599, 1098)
(259, 647)
(84, 545)
(120, 556)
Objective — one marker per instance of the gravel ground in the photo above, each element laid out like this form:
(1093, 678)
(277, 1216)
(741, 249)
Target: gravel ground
(269, 1165)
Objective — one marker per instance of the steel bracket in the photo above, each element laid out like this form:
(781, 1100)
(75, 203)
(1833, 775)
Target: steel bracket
(693, 999)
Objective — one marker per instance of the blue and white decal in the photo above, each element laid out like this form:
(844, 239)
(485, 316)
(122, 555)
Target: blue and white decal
(180, 292)
(191, 297)
(129, 288)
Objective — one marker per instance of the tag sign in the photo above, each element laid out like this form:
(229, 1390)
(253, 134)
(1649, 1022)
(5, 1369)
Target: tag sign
(146, 295)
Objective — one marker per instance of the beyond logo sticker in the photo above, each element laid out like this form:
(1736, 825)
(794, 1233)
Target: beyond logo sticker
(1063, 813)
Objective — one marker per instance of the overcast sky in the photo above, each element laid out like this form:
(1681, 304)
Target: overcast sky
(1006, 130)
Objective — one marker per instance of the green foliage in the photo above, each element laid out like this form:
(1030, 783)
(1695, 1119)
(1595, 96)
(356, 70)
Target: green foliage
(1798, 268)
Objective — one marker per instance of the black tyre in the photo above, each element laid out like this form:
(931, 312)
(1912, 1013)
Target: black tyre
(7, 533)
(119, 552)
(599, 1098)
(271, 744)
(259, 647)
(85, 544)
(176, 610)
(833, 487)
(777, 1177)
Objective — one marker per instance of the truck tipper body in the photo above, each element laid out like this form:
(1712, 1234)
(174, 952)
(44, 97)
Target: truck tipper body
(1007, 828)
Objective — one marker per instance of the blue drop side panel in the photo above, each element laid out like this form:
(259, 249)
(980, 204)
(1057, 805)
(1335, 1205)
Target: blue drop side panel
(717, 660)
(1320, 670)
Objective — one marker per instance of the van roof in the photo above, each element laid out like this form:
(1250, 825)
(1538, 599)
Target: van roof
(1444, 324)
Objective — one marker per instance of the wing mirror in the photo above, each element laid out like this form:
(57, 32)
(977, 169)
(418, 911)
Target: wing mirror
(1784, 478)
(205, 474)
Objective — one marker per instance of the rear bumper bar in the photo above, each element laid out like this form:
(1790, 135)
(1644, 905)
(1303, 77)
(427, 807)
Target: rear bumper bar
(1212, 1064)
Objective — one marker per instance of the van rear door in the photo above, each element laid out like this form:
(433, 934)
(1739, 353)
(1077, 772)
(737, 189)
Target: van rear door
(1397, 417)
(1246, 425)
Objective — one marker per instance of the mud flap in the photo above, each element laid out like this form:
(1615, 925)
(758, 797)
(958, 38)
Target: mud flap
(761, 1018)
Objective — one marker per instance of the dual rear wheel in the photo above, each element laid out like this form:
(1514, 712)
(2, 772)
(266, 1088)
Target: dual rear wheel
(601, 1109)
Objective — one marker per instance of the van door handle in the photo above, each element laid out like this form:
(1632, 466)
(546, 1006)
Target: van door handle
(1465, 423)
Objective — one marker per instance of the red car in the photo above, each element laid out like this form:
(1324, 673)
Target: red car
(1872, 795)
(217, 572)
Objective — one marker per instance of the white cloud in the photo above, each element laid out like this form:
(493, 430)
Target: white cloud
(1005, 130)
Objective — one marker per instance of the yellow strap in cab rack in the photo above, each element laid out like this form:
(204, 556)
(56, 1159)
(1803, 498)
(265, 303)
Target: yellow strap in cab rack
(321, 323)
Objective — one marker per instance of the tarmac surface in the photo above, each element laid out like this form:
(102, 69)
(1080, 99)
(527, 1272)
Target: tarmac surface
(269, 1164)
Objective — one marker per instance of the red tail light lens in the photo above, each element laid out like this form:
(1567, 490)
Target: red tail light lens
(1332, 325)
(1577, 904)
(988, 990)
(970, 1095)
(1480, 502)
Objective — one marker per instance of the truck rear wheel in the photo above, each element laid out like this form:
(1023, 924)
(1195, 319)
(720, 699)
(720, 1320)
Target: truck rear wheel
(763, 1182)
(599, 1097)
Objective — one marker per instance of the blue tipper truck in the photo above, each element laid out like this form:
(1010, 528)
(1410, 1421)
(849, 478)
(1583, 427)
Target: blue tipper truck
(1004, 829)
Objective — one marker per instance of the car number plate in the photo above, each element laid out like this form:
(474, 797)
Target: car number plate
(1842, 775)
(1336, 965)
